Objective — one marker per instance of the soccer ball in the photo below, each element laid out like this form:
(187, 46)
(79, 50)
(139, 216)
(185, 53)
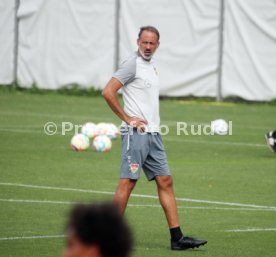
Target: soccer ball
(80, 142)
(102, 128)
(107, 129)
(89, 129)
(219, 127)
(102, 143)
(113, 131)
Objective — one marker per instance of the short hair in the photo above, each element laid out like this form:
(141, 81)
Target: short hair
(101, 225)
(149, 28)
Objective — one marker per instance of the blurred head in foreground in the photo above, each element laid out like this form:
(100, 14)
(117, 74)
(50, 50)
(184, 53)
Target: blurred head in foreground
(97, 230)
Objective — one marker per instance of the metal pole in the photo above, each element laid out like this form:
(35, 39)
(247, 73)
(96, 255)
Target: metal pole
(16, 32)
(117, 34)
(220, 58)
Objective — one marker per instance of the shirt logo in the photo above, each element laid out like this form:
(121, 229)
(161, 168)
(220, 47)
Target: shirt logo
(147, 83)
(134, 167)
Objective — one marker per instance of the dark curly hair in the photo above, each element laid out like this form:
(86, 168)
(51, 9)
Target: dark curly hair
(102, 225)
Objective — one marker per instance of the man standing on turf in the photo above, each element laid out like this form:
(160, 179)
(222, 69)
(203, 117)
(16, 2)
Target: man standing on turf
(142, 146)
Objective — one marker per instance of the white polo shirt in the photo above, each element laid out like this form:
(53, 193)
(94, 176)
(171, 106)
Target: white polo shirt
(140, 90)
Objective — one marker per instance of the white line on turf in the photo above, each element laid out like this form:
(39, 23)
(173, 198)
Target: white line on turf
(213, 142)
(226, 208)
(133, 205)
(36, 201)
(165, 138)
(62, 236)
(57, 188)
(137, 195)
(251, 230)
(21, 126)
(33, 114)
(30, 237)
(203, 207)
(23, 131)
(95, 118)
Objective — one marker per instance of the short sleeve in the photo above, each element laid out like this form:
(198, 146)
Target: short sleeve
(127, 71)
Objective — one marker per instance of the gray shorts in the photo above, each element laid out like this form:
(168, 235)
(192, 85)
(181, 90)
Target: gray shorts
(143, 151)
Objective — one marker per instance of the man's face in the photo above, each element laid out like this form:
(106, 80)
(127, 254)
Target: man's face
(147, 43)
(75, 248)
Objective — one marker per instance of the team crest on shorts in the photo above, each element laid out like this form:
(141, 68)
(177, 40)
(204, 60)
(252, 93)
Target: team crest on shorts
(134, 167)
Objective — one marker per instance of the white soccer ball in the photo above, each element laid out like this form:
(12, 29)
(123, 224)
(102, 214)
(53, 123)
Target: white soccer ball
(113, 131)
(102, 128)
(102, 143)
(80, 142)
(219, 127)
(89, 129)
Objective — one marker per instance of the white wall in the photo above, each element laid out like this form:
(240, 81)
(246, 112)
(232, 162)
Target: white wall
(7, 20)
(65, 41)
(249, 66)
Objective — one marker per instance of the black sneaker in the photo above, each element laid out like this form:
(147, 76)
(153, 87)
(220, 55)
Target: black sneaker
(271, 141)
(187, 243)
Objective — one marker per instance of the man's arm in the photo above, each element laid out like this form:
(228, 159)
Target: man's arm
(110, 95)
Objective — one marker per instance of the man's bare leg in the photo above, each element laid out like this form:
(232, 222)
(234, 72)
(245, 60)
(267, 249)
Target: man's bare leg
(124, 189)
(167, 199)
(168, 202)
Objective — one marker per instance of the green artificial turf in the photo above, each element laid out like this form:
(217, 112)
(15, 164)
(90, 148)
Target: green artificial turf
(43, 171)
